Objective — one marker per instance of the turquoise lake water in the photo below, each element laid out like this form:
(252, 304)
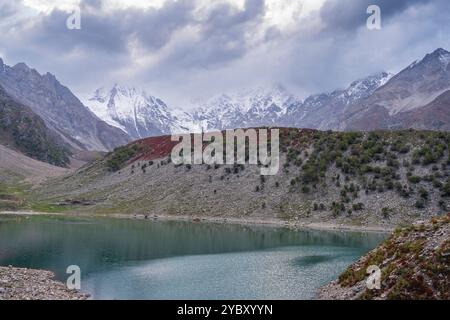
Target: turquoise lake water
(141, 259)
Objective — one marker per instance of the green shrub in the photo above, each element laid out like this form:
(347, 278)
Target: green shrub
(423, 193)
(420, 204)
(414, 179)
(305, 189)
(446, 189)
(358, 206)
(120, 156)
(386, 212)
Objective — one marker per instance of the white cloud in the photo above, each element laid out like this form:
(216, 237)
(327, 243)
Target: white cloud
(280, 13)
(288, 14)
(46, 6)
(187, 49)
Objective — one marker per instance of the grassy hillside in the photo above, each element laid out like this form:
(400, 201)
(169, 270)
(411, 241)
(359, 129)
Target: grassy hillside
(18, 173)
(414, 264)
(23, 130)
(357, 178)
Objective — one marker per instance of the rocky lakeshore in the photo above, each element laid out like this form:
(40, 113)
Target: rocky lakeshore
(31, 284)
(414, 264)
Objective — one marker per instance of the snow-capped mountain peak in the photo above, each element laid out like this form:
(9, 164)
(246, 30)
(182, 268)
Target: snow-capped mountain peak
(132, 110)
(368, 85)
(140, 114)
(444, 57)
(245, 108)
(440, 57)
(261, 98)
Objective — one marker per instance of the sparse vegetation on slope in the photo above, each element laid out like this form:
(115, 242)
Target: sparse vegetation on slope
(375, 162)
(359, 178)
(414, 264)
(23, 130)
(11, 197)
(118, 158)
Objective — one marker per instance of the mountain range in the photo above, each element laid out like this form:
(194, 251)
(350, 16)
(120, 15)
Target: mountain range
(141, 115)
(380, 101)
(133, 111)
(22, 130)
(417, 97)
(423, 84)
(62, 112)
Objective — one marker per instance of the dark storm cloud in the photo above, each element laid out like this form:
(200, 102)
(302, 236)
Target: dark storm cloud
(112, 31)
(155, 27)
(223, 36)
(350, 14)
(223, 47)
(345, 49)
(220, 34)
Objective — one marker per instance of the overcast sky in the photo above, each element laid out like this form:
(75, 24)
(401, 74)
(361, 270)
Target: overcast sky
(188, 49)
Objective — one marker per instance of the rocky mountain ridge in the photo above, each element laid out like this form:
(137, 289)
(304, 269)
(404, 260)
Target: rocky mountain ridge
(61, 110)
(22, 130)
(379, 101)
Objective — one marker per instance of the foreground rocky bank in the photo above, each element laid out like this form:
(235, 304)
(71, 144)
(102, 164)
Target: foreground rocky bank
(414, 264)
(30, 284)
